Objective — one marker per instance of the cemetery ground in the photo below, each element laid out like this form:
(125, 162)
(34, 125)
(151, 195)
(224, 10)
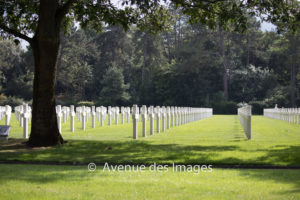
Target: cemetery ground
(75, 182)
(61, 172)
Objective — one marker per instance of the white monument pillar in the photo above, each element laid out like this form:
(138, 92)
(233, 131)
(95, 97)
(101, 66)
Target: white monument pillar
(103, 115)
(26, 116)
(59, 115)
(157, 112)
(144, 119)
(7, 114)
(128, 115)
(72, 118)
(176, 116)
(168, 116)
(151, 112)
(163, 118)
(21, 114)
(83, 117)
(135, 119)
(109, 115)
(172, 115)
(93, 117)
(64, 114)
(117, 111)
(122, 114)
(179, 116)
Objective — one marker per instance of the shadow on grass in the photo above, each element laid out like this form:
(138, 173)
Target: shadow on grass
(61, 175)
(139, 152)
(44, 173)
(287, 154)
(291, 177)
(127, 152)
(146, 152)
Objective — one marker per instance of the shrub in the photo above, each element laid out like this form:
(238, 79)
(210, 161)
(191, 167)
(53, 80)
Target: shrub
(60, 102)
(85, 103)
(257, 107)
(13, 101)
(225, 107)
(2, 99)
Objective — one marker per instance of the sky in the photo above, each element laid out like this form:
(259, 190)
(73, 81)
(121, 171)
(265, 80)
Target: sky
(266, 26)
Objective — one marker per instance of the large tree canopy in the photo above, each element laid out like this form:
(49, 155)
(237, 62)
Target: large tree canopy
(41, 22)
(20, 18)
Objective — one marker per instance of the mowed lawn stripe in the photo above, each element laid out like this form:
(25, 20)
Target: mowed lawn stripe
(76, 182)
(219, 140)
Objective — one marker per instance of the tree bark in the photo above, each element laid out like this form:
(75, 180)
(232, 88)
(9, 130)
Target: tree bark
(45, 45)
(294, 68)
(224, 64)
(144, 57)
(293, 85)
(248, 51)
(168, 51)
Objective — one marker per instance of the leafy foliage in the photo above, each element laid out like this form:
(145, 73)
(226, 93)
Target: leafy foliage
(114, 90)
(182, 65)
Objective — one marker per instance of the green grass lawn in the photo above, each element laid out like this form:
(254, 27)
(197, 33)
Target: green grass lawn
(218, 140)
(76, 182)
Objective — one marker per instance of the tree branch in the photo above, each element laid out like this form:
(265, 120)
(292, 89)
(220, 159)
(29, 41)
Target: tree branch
(15, 33)
(64, 9)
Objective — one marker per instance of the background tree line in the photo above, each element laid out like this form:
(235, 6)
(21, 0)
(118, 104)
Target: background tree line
(187, 65)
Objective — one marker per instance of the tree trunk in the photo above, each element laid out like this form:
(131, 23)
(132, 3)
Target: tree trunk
(169, 48)
(224, 64)
(294, 68)
(293, 85)
(60, 51)
(45, 45)
(248, 51)
(144, 57)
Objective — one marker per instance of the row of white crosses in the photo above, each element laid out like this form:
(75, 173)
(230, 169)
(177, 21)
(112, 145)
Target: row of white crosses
(62, 113)
(292, 115)
(101, 114)
(83, 114)
(167, 116)
(170, 116)
(244, 114)
(113, 113)
(23, 114)
(5, 111)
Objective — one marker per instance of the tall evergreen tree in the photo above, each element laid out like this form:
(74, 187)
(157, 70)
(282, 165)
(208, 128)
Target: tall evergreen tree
(114, 90)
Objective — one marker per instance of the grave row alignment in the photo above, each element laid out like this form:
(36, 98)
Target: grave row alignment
(244, 114)
(291, 115)
(167, 116)
(164, 116)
